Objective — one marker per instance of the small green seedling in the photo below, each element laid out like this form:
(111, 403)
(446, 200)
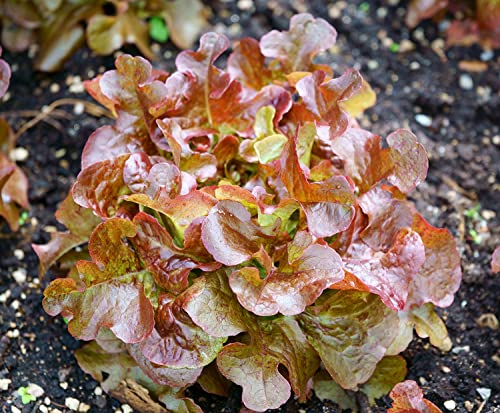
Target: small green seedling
(394, 47)
(473, 213)
(158, 29)
(26, 396)
(23, 217)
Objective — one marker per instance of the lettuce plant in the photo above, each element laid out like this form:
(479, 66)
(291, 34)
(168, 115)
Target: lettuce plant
(243, 228)
(479, 25)
(60, 27)
(13, 182)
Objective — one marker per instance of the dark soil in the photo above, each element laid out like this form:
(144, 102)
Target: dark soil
(462, 140)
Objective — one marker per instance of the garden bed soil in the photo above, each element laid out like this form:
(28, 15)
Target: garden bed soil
(459, 128)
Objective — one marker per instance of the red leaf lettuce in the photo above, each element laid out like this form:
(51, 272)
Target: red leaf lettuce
(237, 234)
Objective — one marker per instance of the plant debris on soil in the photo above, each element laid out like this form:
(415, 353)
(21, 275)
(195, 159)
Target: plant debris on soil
(452, 108)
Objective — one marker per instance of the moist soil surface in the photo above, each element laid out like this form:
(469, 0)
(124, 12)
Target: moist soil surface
(423, 86)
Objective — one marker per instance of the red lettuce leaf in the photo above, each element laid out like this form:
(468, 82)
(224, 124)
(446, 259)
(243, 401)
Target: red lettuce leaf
(152, 176)
(13, 191)
(109, 293)
(100, 185)
(351, 332)
(134, 92)
(95, 361)
(409, 159)
(290, 288)
(323, 99)
(230, 235)
(177, 342)
(386, 217)
(255, 366)
(80, 223)
(495, 260)
(213, 307)
(365, 162)
(440, 276)
(247, 64)
(296, 48)
(162, 375)
(169, 264)
(419, 10)
(389, 274)
(181, 211)
(408, 398)
(4, 75)
(327, 204)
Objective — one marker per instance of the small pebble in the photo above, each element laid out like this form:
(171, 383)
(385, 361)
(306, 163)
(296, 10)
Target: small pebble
(466, 82)
(468, 406)
(98, 391)
(43, 409)
(84, 407)
(423, 120)
(19, 154)
(63, 385)
(450, 404)
(484, 392)
(79, 108)
(414, 66)
(459, 349)
(372, 64)
(14, 409)
(4, 384)
(19, 254)
(126, 408)
(54, 88)
(35, 390)
(487, 55)
(245, 4)
(4, 296)
(19, 275)
(445, 369)
(72, 403)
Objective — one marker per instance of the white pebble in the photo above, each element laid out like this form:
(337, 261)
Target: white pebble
(19, 154)
(484, 392)
(126, 408)
(63, 385)
(43, 409)
(54, 87)
(79, 108)
(372, 64)
(466, 82)
(14, 409)
(77, 88)
(83, 407)
(19, 275)
(487, 55)
(4, 296)
(35, 390)
(245, 4)
(4, 384)
(13, 333)
(19, 254)
(459, 349)
(450, 404)
(72, 403)
(423, 120)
